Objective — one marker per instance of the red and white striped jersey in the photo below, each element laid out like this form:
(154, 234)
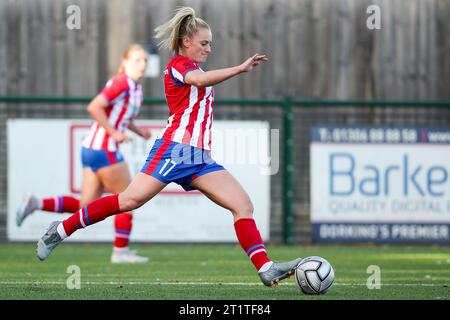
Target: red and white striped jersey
(124, 96)
(190, 108)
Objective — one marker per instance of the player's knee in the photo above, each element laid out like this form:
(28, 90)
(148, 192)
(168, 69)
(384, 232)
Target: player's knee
(129, 203)
(243, 210)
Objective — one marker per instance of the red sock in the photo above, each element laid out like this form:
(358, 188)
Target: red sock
(61, 204)
(94, 212)
(122, 225)
(250, 240)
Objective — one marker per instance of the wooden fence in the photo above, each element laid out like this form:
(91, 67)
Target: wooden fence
(317, 48)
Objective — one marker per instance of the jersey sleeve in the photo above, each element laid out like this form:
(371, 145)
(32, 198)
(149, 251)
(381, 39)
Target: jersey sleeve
(114, 88)
(180, 69)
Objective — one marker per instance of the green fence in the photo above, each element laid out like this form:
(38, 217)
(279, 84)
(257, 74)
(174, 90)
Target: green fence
(350, 108)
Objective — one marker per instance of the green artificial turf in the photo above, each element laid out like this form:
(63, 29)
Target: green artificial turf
(210, 272)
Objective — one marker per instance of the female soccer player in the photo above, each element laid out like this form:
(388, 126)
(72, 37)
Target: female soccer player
(104, 169)
(181, 154)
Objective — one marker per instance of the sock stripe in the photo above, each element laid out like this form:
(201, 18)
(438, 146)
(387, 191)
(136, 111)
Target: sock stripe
(122, 231)
(255, 252)
(86, 216)
(123, 236)
(55, 204)
(60, 204)
(254, 247)
(81, 217)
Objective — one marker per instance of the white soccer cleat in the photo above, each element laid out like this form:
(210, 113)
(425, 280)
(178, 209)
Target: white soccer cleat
(29, 205)
(49, 241)
(127, 256)
(279, 271)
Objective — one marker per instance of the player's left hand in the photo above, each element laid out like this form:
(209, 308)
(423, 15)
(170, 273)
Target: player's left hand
(253, 61)
(146, 133)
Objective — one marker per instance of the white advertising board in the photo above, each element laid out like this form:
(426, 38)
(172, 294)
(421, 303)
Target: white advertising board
(44, 160)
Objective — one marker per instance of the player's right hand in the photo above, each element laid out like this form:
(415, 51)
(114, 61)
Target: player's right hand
(120, 137)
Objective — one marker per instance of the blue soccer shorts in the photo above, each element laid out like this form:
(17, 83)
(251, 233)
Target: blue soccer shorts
(170, 161)
(97, 159)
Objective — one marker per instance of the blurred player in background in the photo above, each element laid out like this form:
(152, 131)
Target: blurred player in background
(104, 169)
(181, 154)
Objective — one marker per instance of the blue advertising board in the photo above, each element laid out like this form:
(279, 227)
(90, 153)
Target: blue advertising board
(386, 184)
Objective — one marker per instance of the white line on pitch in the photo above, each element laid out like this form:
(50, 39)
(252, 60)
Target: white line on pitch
(210, 283)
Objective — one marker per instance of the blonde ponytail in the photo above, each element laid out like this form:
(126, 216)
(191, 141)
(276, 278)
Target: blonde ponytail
(183, 23)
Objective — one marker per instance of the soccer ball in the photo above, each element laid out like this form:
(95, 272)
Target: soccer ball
(314, 275)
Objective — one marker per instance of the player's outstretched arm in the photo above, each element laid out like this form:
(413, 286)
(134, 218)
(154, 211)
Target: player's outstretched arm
(205, 79)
